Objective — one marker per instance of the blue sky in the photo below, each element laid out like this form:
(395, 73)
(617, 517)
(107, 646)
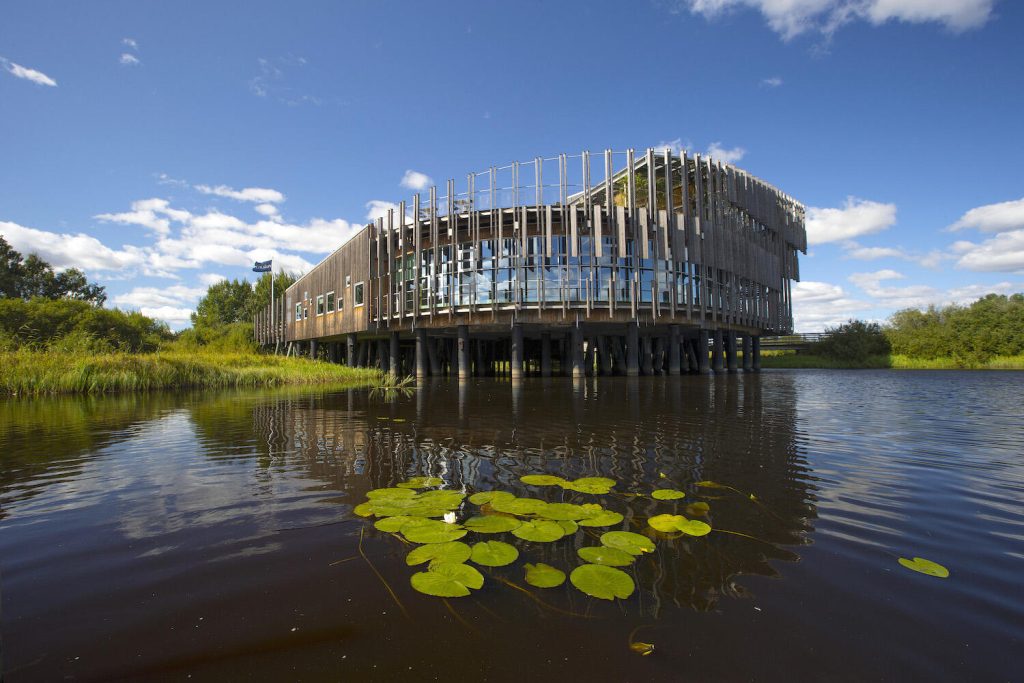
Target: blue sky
(161, 146)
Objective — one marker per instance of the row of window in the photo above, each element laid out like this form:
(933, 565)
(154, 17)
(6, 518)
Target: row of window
(329, 302)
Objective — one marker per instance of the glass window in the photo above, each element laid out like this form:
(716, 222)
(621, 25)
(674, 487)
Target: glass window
(320, 304)
(359, 294)
(348, 280)
(298, 312)
(330, 302)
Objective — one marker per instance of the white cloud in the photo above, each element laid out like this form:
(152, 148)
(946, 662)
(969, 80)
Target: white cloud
(414, 180)
(999, 217)
(773, 82)
(872, 253)
(129, 59)
(152, 297)
(246, 194)
(149, 213)
(728, 156)
(130, 42)
(817, 305)
(857, 217)
(64, 250)
(1002, 253)
(266, 209)
(887, 296)
(19, 71)
(677, 146)
(790, 18)
(209, 279)
(378, 208)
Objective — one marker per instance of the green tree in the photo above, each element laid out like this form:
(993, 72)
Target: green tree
(226, 302)
(31, 276)
(261, 291)
(854, 340)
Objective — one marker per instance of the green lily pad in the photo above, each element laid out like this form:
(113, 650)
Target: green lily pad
(379, 494)
(569, 526)
(463, 573)
(666, 523)
(603, 582)
(694, 527)
(447, 580)
(442, 499)
(541, 480)
(599, 554)
(494, 553)
(363, 509)
(667, 494)
(919, 564)
(484, 497)
(559, 511)
(698, 509)
(452, 552)
(431, 531)
(539, 531)
(392, 524)
(518, 506)
(632, 543)
(421, 483)
(491, 524)
(711, 485)
(593, 485)
(544, 575)
(602, 518)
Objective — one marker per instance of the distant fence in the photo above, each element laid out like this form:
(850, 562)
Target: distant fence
(792, 342)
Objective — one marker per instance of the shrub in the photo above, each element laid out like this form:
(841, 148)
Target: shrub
(855, 340)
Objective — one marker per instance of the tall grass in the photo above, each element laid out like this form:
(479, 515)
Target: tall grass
(789, 359)
(34, 372)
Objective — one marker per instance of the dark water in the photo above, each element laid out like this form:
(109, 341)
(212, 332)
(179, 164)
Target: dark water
(210, 536)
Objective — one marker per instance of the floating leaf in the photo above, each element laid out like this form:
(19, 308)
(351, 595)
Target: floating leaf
(662, 475)
(711, 485)
(544, 575)
(632, 543)
(392, 524)
(603, 582)
(603, 518)
(642, 649)
(541, 480)
(494, 553)
(431, 531)
(463, 573)
(540, 531)
(599, 554)
(363, 509)
(694, 527)
(569, 526)
(381, 494)
(491, 524)
(447, 580)
(484, 497)
(559, 511)
(593, 485)
(919, 564)
(697, 509)
(421, 483)
(666, 523)
(518, 506)
(667, 494)
(442, 499)
(454, 552)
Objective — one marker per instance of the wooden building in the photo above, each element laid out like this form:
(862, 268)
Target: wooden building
(593, 263)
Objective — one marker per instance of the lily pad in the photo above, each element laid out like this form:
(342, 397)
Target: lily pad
(463, 573)
(444, 499)
(392, 524)
(632, 543)
(602, 518)
(494, 553)
(431, 531)
(363, 509)
(421, 483)
(666, 523)
(540, 531)
(544, 575)
(698, 509)
(593, 485)
(541, 480)
(569, 526)
(492, 524)
(603, 582)
(599, 554)
(518, 506)
(667, 494)
(711, 484)
(559, 511)
(452, 552)
(380, 494)
(694, 527)
(484, 497)
(919, 564)
(447, 580)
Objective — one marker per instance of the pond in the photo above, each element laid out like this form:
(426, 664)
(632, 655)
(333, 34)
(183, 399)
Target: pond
(214, 536)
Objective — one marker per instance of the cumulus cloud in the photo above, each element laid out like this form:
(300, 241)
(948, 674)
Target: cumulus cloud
(154, 214)
(773, 82)
(729, 156)
(817, 305)
(1003, 253)
(895, 297)
(266, 209)
(855, 218)
(209, 279)
(173, 304)
(414, 180)
(246, 194)
(872, 253)
(677, 146)
(71, 251)
(790, 18)
(378, 208)
(128, 59)
(19, 71)
(999, 217)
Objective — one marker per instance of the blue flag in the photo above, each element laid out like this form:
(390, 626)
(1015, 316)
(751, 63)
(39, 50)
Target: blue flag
(263, 266)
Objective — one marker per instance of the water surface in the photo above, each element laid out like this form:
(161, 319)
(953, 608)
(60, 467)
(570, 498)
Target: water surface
(210, 536)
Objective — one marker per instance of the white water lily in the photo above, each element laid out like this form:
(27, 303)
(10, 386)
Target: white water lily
(449, 518)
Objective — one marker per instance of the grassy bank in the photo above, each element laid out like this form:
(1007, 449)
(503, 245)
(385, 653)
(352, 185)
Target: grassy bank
(790, 359)
(34, 372)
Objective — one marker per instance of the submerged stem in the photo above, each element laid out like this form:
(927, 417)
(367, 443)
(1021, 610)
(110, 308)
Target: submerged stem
(381, 577)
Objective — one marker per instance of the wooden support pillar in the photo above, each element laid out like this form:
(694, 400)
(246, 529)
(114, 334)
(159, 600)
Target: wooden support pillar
(673, 350)
(313, 349)
(453, 358)
(647, 357)
(516, 360)
(716, 352)
(545, 354)
(702, 353)
(603, 359)
(350, 350)
(747, 354)
(576, 352)
(463, 352)
(478, 358)
(382, 355)
(588, 358)
(659, 355)
(432, 356)
(422, 352)
(632, 351)
(395, 364)
(730, 350)
(756, 343)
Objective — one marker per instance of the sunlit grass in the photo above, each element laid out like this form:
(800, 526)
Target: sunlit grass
(34, 372)
(791, 359)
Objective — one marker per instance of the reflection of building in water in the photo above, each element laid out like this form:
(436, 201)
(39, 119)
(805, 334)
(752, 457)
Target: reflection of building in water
(738, 431)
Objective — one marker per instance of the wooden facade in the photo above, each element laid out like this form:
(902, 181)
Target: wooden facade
(677, 248)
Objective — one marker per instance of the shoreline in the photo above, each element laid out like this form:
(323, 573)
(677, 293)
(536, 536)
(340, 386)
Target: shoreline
(796, 361)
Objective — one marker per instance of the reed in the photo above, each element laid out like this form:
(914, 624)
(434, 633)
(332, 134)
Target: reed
(28, 372)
